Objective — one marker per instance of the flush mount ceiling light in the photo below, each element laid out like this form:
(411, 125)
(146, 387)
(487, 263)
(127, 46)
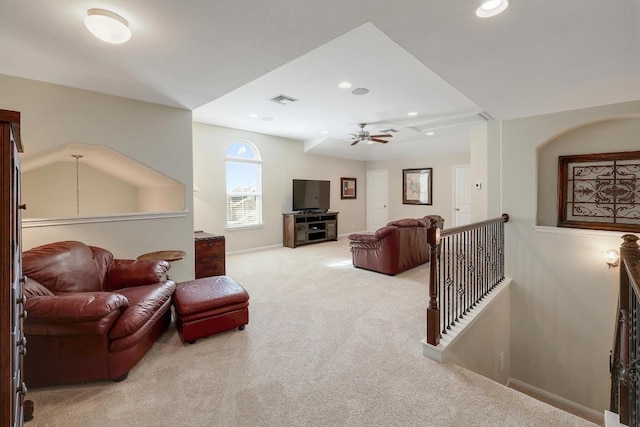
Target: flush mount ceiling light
(491, 8)
(344, 85)
(107, 26)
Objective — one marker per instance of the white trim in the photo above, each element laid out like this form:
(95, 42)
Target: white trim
(50, 222)
(611, 419)
(579, 231)
(555, 400)
(441, 352)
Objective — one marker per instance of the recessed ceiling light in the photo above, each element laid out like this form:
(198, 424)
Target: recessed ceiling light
(429, 133)
(325, 132)
(107, 26)
(253, 115)
(344, 85)
(413, 113)
(491, 8)
(360, 91)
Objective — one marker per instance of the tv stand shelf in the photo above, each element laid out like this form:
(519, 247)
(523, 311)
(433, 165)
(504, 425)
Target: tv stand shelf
(304, 228)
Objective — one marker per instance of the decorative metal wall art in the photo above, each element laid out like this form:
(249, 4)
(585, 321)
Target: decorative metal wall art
(600, 191)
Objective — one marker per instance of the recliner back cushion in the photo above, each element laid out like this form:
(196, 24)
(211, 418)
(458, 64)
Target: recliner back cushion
(406, 222)
(66, 267)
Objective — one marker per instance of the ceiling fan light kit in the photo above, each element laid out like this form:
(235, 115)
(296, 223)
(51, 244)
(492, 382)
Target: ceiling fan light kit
(364, 135)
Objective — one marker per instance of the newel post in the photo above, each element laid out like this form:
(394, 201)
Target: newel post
(628, 247)
(433, 312)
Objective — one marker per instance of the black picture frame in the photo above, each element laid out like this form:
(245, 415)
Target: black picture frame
(348, 188)
(417, 186)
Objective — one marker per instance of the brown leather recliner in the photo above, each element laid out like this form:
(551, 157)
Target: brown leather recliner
(90, 317)
(394, 248)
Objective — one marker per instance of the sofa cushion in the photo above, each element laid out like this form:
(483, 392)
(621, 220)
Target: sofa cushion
(407, 222)
(75, 307)
(63, 267)
(387, 229)
(125, 273)
(31, 288)
(144, 301)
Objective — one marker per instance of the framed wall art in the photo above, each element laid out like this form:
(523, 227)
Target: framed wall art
(348, 188)
(417, 185)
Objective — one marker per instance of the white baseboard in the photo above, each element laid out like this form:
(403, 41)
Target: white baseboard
(557, 401)
(261, 248)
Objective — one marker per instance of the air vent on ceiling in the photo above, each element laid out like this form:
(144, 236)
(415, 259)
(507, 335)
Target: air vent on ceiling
(485, 116)
(390, 130)
(283, 99)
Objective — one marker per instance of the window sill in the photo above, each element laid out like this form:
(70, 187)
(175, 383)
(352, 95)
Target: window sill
(244, 227)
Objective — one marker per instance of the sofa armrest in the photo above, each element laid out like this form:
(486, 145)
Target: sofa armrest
(76, 307)
(126, 273)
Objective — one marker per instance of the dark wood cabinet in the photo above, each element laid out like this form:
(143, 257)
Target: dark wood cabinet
(302, 229)
(209, 254)
(12, 340)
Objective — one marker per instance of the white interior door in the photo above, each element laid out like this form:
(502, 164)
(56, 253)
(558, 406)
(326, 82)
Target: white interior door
(377, 199)
(461, 195)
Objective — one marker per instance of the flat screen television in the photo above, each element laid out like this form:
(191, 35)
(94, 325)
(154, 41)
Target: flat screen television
(310, 195)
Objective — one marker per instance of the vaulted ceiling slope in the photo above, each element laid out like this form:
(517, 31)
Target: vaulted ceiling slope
(537, 57)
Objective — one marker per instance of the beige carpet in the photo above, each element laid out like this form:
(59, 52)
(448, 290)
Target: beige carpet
(327, 345)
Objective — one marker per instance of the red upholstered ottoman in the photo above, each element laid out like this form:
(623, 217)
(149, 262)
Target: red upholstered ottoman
(209, 305)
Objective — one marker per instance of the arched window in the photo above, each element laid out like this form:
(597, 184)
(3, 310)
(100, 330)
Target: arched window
(244, 185)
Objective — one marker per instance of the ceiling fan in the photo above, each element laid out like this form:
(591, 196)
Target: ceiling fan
(364, 135)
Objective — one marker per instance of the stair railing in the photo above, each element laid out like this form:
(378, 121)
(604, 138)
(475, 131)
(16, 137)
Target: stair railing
(624, 363)
(466, 263)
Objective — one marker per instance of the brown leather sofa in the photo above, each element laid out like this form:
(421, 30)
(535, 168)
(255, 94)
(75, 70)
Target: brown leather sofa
(394, 248)
(90, 317)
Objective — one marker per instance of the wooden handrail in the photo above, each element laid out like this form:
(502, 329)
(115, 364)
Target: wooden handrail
(472, 281)
(462, 228)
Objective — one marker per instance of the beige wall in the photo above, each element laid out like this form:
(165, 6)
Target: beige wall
(563, 296)
(158, 136)
(485, 347)
(604, 136)
(283, 160)
(50, 192)
(442, 184)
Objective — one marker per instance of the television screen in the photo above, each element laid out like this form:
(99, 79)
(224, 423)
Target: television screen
(311, 195)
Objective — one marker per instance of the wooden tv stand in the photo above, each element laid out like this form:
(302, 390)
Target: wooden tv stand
(305, 228)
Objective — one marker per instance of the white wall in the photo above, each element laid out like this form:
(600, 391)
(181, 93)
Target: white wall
(442, 184)
(563, 296)
(155, 135)
(283, 160)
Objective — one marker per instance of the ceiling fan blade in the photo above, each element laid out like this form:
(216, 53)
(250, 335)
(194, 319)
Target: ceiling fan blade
(381, 136)
(355, 142)
(379, 140)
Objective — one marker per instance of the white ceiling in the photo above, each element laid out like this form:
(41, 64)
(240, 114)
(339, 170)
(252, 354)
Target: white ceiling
(224, 59)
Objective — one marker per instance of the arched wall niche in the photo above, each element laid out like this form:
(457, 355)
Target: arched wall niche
(609, 135)
(84, 180)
